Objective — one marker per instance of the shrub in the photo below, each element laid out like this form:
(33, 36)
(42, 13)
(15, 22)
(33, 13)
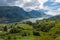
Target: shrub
(36, 33)
(14, 30)
(5, 28)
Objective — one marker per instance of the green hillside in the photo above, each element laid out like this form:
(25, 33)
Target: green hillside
(41, 30)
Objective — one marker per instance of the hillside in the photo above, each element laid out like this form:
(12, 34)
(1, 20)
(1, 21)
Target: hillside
(41, 30)
(14, 14)
(57, 17)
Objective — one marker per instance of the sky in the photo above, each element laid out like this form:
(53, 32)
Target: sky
(52, 6)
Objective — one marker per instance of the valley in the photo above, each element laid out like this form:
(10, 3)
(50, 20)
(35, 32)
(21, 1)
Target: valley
(46, 29)
(17, 24)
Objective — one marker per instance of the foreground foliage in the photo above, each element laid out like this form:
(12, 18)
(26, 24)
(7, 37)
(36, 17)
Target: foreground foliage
(41, 30)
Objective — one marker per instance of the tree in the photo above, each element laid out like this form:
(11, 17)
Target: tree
(5, 28)
(28, 22)
(35, 33)
(14, 30)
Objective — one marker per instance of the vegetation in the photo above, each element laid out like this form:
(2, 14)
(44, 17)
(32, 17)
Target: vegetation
(41, 30)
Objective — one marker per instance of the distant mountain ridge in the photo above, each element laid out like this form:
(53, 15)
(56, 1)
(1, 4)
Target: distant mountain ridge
(14, 13)
(57, 17)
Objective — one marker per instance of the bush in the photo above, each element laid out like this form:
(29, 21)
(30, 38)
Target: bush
(5, 28)
(58, 38)
(24, 34)
(14, 30)
(36, 33)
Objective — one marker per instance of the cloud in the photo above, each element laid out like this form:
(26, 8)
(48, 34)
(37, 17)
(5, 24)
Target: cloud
(42, 2)
(33, 4)
(53, 6)
(28, 4)
(3, 2)
(10, 1)
(53, 13)
(57, 0)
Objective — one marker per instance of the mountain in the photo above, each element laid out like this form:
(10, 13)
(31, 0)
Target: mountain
(14, 14)
(35, 13)
(57, 17)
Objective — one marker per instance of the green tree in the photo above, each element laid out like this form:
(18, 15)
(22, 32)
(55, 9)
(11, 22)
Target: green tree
(5, 28)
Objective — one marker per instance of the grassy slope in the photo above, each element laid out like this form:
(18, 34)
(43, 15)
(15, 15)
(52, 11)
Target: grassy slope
(52, 34)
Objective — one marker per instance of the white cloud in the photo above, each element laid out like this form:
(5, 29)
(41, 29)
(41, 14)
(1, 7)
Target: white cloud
(27, 0)
(52, 12)
(57, 0)
(53, 7)
(19, 3)
(31, 4)
(42, 2)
